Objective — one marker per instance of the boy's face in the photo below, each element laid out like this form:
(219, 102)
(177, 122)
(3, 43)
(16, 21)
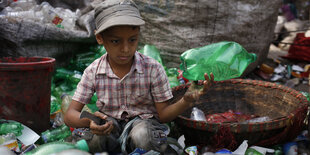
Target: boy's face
(121, 43)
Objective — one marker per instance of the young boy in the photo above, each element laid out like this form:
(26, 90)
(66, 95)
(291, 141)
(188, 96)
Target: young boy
(132, 89)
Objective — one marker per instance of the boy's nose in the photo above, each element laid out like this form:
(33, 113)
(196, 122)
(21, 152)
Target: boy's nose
(125, 47)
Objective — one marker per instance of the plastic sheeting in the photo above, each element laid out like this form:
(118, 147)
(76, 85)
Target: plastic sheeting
(173, 26)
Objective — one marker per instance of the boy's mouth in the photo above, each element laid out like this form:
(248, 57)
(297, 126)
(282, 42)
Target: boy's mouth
(123, 57)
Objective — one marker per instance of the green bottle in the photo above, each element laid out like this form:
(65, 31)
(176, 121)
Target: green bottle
(226, 60)
(151, 51)
(55, 147)
(56, 134)
(55, 106)
(251, 151)
(172, 74)
(11, 127)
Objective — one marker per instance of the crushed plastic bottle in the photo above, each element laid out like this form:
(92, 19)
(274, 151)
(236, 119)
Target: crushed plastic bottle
(226, 60)
(11, 127)
(9, 140)
(198, 114)
(56, 147)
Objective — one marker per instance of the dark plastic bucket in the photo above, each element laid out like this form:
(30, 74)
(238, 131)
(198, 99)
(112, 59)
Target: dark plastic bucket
(25, 90)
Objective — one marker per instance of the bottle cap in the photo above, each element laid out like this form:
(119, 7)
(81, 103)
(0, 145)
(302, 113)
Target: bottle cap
(63, 95)
(82, 145)
(254, 57)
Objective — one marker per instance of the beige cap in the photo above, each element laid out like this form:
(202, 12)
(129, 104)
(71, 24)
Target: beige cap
(116, 12)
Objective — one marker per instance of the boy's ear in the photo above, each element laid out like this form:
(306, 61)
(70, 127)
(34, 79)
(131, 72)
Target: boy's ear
(99, 39)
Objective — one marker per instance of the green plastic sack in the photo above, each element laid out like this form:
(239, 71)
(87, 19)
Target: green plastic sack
(226, 60)
(151, 51)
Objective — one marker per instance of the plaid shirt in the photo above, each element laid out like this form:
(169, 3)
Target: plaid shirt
(145, 84)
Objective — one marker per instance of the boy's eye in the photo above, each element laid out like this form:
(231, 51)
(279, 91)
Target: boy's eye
(115, 41)
(132, 39)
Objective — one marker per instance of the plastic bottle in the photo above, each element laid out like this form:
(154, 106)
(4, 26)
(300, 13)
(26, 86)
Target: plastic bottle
(151, 51)
(290, 148)
(198, 114)
(226, 60)
(65, 102)
(6, 151)
(83, 133)
(24, 5)
(9, 140)
(69, 18)
(50, 15)
(172, 74)
(55, 106)
(58, 120)
(11, 127)
(56, 147)
(56, 134)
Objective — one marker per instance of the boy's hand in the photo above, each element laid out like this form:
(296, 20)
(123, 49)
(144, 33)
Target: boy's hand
(104, 129)
(194, 92)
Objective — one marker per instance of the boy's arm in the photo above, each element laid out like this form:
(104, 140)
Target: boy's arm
(72, 119)
(168, 112)
(72, 116)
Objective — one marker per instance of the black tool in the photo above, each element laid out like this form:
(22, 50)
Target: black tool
(97, 120)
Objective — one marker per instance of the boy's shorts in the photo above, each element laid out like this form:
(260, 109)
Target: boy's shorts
(147, 134)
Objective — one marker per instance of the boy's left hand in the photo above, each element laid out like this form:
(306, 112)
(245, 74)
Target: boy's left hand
(194, 92)
(104, 129)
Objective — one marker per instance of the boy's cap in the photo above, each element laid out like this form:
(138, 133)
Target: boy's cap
(116, 12)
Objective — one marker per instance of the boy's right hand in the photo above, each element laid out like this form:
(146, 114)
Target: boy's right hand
(104, 129)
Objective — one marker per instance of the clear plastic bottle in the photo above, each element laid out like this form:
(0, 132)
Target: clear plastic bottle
(69, 18)
(65, 102)
(198, 114)
(6, 151)
(59, 133)
(24, 5)
(226, 60)
(50, 14)
(11, 127)
(56, 147)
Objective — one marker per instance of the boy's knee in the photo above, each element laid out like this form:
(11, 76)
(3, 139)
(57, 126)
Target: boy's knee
(146, 136)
